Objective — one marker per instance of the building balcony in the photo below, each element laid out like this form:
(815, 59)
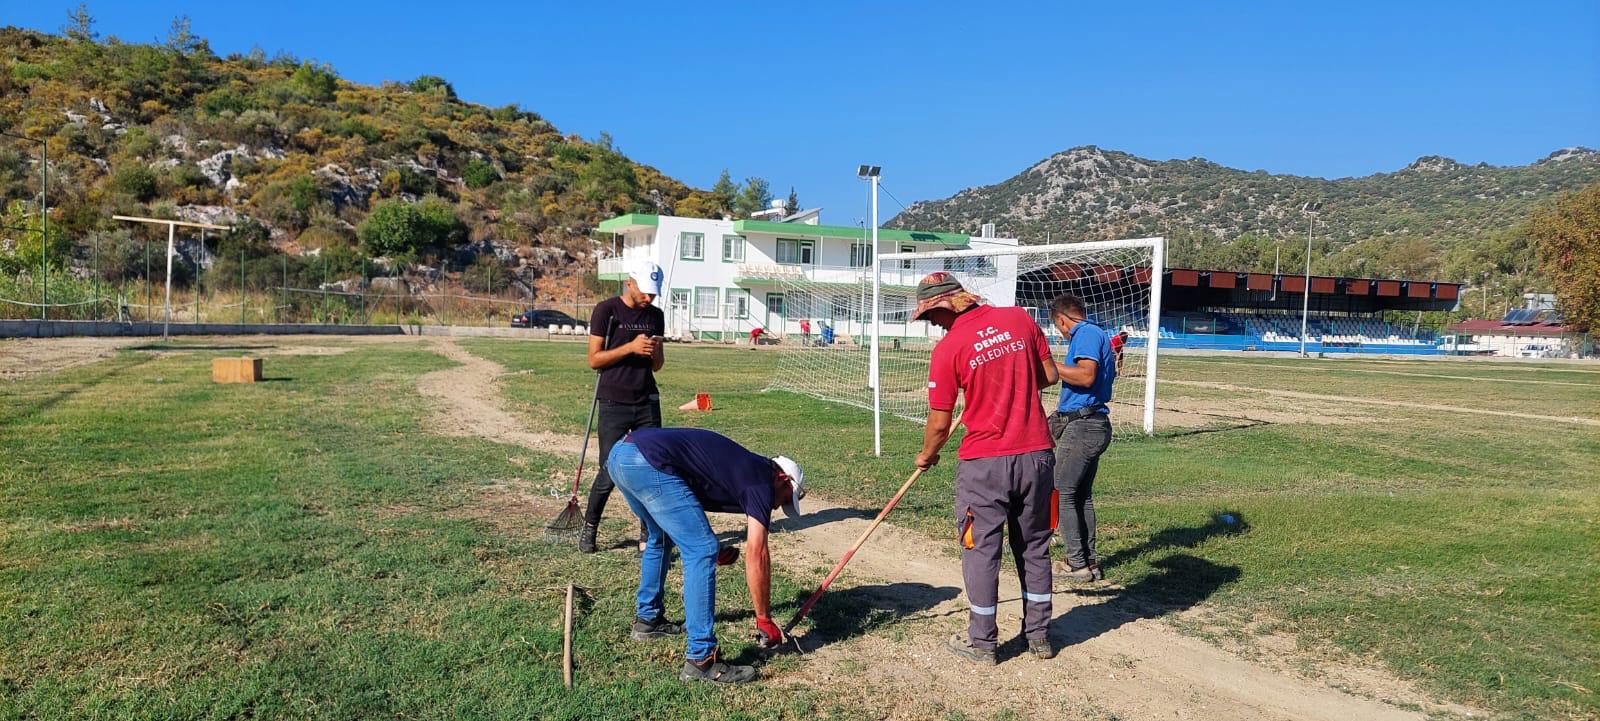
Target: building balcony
(774, 273)
(613, 268)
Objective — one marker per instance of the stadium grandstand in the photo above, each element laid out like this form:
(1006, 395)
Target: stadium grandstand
(1229, 310)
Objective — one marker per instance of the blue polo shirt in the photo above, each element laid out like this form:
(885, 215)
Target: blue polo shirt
(1088, 341)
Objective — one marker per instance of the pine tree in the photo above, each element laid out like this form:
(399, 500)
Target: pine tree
(755, 196)
(80, 26)
(725, 192)
(793, 202)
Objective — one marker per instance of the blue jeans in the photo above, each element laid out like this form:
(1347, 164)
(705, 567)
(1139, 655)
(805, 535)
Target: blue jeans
(670, 511)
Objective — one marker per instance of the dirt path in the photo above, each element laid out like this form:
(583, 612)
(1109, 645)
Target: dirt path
(1381, 402)
(1118, 658)
(468, 404)
(21, 358)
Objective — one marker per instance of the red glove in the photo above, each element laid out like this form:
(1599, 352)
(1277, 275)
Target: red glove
(768, 632)
(727, 555)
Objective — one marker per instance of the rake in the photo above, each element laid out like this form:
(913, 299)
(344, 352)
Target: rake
(565, 527)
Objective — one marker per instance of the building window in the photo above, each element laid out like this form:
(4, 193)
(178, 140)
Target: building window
(738, 302)
(860, 255)
(908, 263)
(733, 249)
(680, 300)
(691, 246)
(705, 302)
(796, 252)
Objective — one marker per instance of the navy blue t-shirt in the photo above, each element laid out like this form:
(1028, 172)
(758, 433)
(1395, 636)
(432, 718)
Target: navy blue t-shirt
(724, 476)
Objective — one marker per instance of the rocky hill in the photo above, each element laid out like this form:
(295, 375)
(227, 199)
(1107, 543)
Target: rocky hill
(171, 129)
(1434, 216)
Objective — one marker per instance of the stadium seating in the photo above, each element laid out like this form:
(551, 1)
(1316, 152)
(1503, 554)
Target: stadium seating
(1281, 331)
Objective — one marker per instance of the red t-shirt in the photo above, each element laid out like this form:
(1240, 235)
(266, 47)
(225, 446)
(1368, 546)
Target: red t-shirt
(992, 355)
(1116, 342)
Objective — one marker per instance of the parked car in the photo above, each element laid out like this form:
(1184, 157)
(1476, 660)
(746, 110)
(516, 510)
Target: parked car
(542, 319)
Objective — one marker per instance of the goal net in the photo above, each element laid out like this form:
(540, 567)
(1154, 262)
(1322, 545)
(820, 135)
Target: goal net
(835, 360)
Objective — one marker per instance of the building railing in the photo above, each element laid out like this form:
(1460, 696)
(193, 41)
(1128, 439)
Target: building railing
(612, 266)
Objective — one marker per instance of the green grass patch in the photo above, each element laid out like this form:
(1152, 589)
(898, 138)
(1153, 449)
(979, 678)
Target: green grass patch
(1458, 549)
(301, 548)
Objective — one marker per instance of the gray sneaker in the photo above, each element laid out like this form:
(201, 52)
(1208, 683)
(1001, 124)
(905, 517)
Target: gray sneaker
(960, 646)
(660, 628)
(715, 671)
(1041, 648)
(1064, 571)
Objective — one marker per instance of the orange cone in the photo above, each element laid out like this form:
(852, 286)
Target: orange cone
(701, 402)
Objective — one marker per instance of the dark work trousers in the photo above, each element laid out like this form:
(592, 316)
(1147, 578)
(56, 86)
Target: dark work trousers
(616, 420)
(1079, 444)
(1010, 494)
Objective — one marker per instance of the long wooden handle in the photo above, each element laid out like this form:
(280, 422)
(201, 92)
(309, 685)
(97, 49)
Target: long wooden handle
(812, 601)
(566, 643)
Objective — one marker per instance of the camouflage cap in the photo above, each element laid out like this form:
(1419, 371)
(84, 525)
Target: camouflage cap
(942, 290)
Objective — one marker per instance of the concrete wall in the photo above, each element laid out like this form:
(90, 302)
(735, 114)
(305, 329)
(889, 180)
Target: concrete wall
(65, 328)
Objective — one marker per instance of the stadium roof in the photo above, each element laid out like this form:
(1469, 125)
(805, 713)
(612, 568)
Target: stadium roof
(1194, 288)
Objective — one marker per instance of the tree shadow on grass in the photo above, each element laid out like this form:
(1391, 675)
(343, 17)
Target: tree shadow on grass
(1181, 582)
(100, 375)
(1222, 523)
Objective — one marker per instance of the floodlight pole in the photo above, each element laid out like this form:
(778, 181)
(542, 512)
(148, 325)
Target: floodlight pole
(1305, 303)
(870, 173)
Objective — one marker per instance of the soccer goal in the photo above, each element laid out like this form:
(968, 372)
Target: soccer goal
(864, 350)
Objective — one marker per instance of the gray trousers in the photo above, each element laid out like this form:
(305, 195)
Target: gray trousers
(1079, 444)
(1010, 495)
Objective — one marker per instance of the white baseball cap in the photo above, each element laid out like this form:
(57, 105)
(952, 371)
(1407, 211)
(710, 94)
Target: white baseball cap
(647, 276)
(797, 484)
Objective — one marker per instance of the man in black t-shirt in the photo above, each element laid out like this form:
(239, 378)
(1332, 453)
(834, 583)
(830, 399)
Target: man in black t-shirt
(625, 346)
(672, 477)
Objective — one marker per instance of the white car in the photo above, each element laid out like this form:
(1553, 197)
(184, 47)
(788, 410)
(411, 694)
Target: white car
(1536, 350)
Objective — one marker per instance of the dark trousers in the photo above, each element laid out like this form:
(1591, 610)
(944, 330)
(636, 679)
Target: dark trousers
(1079, 444)
(1010, 496)
(616, 420)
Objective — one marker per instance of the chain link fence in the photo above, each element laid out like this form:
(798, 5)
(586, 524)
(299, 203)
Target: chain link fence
(121, 277)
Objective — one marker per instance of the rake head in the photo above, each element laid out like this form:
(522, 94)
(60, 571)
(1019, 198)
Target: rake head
(565, 527)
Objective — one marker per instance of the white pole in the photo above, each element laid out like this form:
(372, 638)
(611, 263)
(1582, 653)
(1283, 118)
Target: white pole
(1158, 269)
(877, 387)
(1305, 303)
(172, 231)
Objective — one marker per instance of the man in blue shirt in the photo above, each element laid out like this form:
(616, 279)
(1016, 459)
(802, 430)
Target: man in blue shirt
(671, 477)
(1081, 427)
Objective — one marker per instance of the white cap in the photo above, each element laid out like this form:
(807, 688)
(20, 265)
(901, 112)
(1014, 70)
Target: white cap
(647, 276)
(797, 484)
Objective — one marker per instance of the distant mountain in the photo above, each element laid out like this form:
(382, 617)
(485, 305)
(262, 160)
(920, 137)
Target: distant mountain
(1433, 216)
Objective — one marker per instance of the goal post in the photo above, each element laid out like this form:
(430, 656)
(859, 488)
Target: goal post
(876, 358)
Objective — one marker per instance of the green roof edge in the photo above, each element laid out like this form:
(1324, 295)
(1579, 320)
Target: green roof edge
(611, 225)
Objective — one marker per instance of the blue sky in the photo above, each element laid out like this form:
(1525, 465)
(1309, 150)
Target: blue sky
(950, 95)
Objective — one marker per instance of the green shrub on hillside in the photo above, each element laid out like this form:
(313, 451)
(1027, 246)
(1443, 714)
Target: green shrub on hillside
(395, 227)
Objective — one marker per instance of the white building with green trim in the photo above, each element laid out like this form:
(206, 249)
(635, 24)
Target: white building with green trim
(725, 277)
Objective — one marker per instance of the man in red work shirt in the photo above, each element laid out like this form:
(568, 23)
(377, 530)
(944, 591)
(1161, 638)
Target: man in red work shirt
(999, 359)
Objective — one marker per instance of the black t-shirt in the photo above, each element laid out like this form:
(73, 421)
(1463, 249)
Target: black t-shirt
(629, 380)
(724, 476)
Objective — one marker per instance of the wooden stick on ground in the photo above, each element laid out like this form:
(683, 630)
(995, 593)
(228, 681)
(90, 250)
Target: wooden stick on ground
(566, 643)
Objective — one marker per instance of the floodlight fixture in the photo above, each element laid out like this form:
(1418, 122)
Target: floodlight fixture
(868, 171)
